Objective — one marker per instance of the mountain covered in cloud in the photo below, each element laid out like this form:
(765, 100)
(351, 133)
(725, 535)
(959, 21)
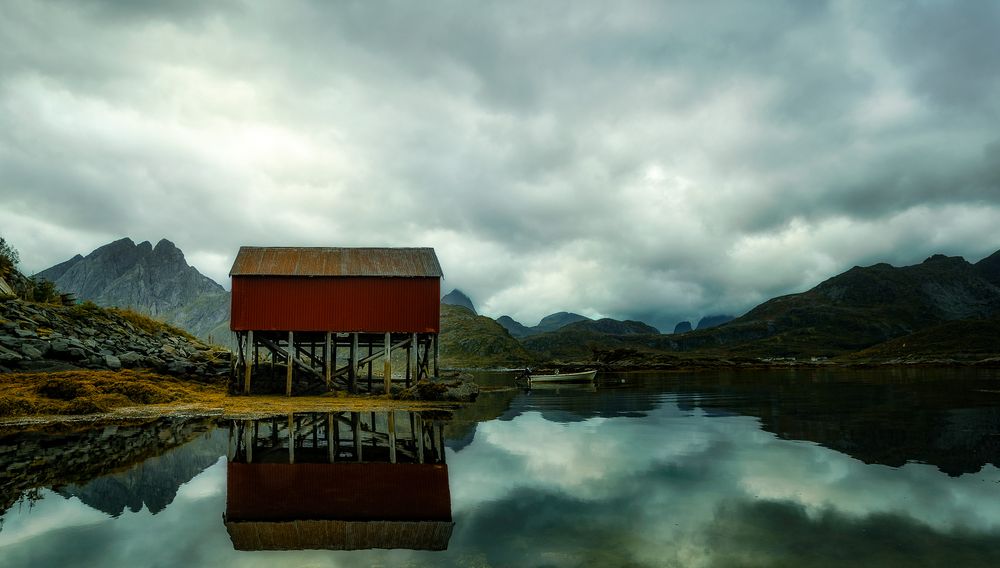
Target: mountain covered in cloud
(155, 280)
(458, 298)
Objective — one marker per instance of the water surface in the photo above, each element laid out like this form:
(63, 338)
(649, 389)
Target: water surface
(724, 469)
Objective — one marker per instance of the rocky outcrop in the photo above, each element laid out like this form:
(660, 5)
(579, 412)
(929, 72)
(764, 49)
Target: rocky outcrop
(682, 327)
(39, 337)
(153, 280)
(457, 298)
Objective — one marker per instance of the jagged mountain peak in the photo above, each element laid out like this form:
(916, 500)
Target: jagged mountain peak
(458, 298)
(155, 280)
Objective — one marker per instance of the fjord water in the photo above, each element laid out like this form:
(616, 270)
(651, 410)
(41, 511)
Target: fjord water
(870, 468)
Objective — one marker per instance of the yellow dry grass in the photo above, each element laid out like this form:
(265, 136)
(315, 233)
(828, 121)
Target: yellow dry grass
(34, 397)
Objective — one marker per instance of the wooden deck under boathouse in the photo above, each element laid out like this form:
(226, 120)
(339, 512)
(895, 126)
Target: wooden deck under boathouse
(316, 318)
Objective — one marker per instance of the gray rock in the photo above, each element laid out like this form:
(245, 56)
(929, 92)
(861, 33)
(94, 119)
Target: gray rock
(112, 362)
(76, 353)
(59, 346)
(21, 332)
(131, 359)
(8, 356)
(178, 367)
(31, 352)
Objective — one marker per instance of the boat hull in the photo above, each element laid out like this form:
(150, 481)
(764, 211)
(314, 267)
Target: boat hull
(581, 377)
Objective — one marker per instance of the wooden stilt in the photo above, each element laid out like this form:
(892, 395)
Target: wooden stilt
(327, 361)
(352, 378)
(415, 350)
(370, 363)
(387, 368)
(331, 444)
(248, 367)
(291, 360)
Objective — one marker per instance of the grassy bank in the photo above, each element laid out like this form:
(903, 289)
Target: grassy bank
(127, 393)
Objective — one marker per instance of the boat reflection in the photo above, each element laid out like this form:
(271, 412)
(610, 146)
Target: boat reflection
(338, 481)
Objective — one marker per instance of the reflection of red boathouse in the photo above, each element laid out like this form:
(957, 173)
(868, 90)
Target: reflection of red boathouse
(320, 315)
(365, 483)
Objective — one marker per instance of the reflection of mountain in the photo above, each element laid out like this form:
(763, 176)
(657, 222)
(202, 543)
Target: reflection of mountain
(153, 483)
(371, 480)
(884, 417)
(31, 460)
(947, 418)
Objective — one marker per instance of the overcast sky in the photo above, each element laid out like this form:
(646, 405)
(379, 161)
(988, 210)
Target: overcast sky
(659, 161)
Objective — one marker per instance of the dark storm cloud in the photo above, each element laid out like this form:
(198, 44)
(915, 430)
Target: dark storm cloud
(658, 159)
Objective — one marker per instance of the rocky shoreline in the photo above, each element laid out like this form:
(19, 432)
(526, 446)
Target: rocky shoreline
(40, 337)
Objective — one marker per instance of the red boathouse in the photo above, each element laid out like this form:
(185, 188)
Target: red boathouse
(305, 309)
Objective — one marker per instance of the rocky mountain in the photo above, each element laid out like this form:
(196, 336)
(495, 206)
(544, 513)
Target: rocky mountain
(550, 322)
(682, 327)
(860, 308)
(470, 340)
(153, 280)
(458, 298)
(714, 321)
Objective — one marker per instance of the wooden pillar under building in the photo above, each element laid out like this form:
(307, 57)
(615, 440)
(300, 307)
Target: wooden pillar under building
(415, 363)
(327, 361)
(291, 363)
(352, 376)
(246, 363)
(387, 367)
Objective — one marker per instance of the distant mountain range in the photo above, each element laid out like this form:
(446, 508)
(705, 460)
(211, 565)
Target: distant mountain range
(940, 304)
(154, 280)
(550, 322)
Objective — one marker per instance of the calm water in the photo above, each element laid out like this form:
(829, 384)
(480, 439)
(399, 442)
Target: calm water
(775, 469)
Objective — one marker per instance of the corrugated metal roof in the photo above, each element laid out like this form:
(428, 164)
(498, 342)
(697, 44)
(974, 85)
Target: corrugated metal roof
(336, 261)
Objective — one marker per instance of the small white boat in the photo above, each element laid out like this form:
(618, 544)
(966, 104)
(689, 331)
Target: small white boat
(581, 377)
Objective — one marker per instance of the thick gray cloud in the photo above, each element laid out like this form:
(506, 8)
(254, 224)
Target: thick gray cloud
(650, 160)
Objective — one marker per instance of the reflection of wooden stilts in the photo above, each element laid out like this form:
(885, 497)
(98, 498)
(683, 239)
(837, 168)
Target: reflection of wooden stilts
(356, 428)
(391, 426)
(291, 360)
(419, 435)
(291, 438)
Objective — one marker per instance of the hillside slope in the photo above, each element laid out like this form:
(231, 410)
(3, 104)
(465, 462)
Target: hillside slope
(468, 340)
(855, 310)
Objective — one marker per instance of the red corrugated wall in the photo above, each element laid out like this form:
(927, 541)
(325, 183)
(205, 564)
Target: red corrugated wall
(365, 304)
